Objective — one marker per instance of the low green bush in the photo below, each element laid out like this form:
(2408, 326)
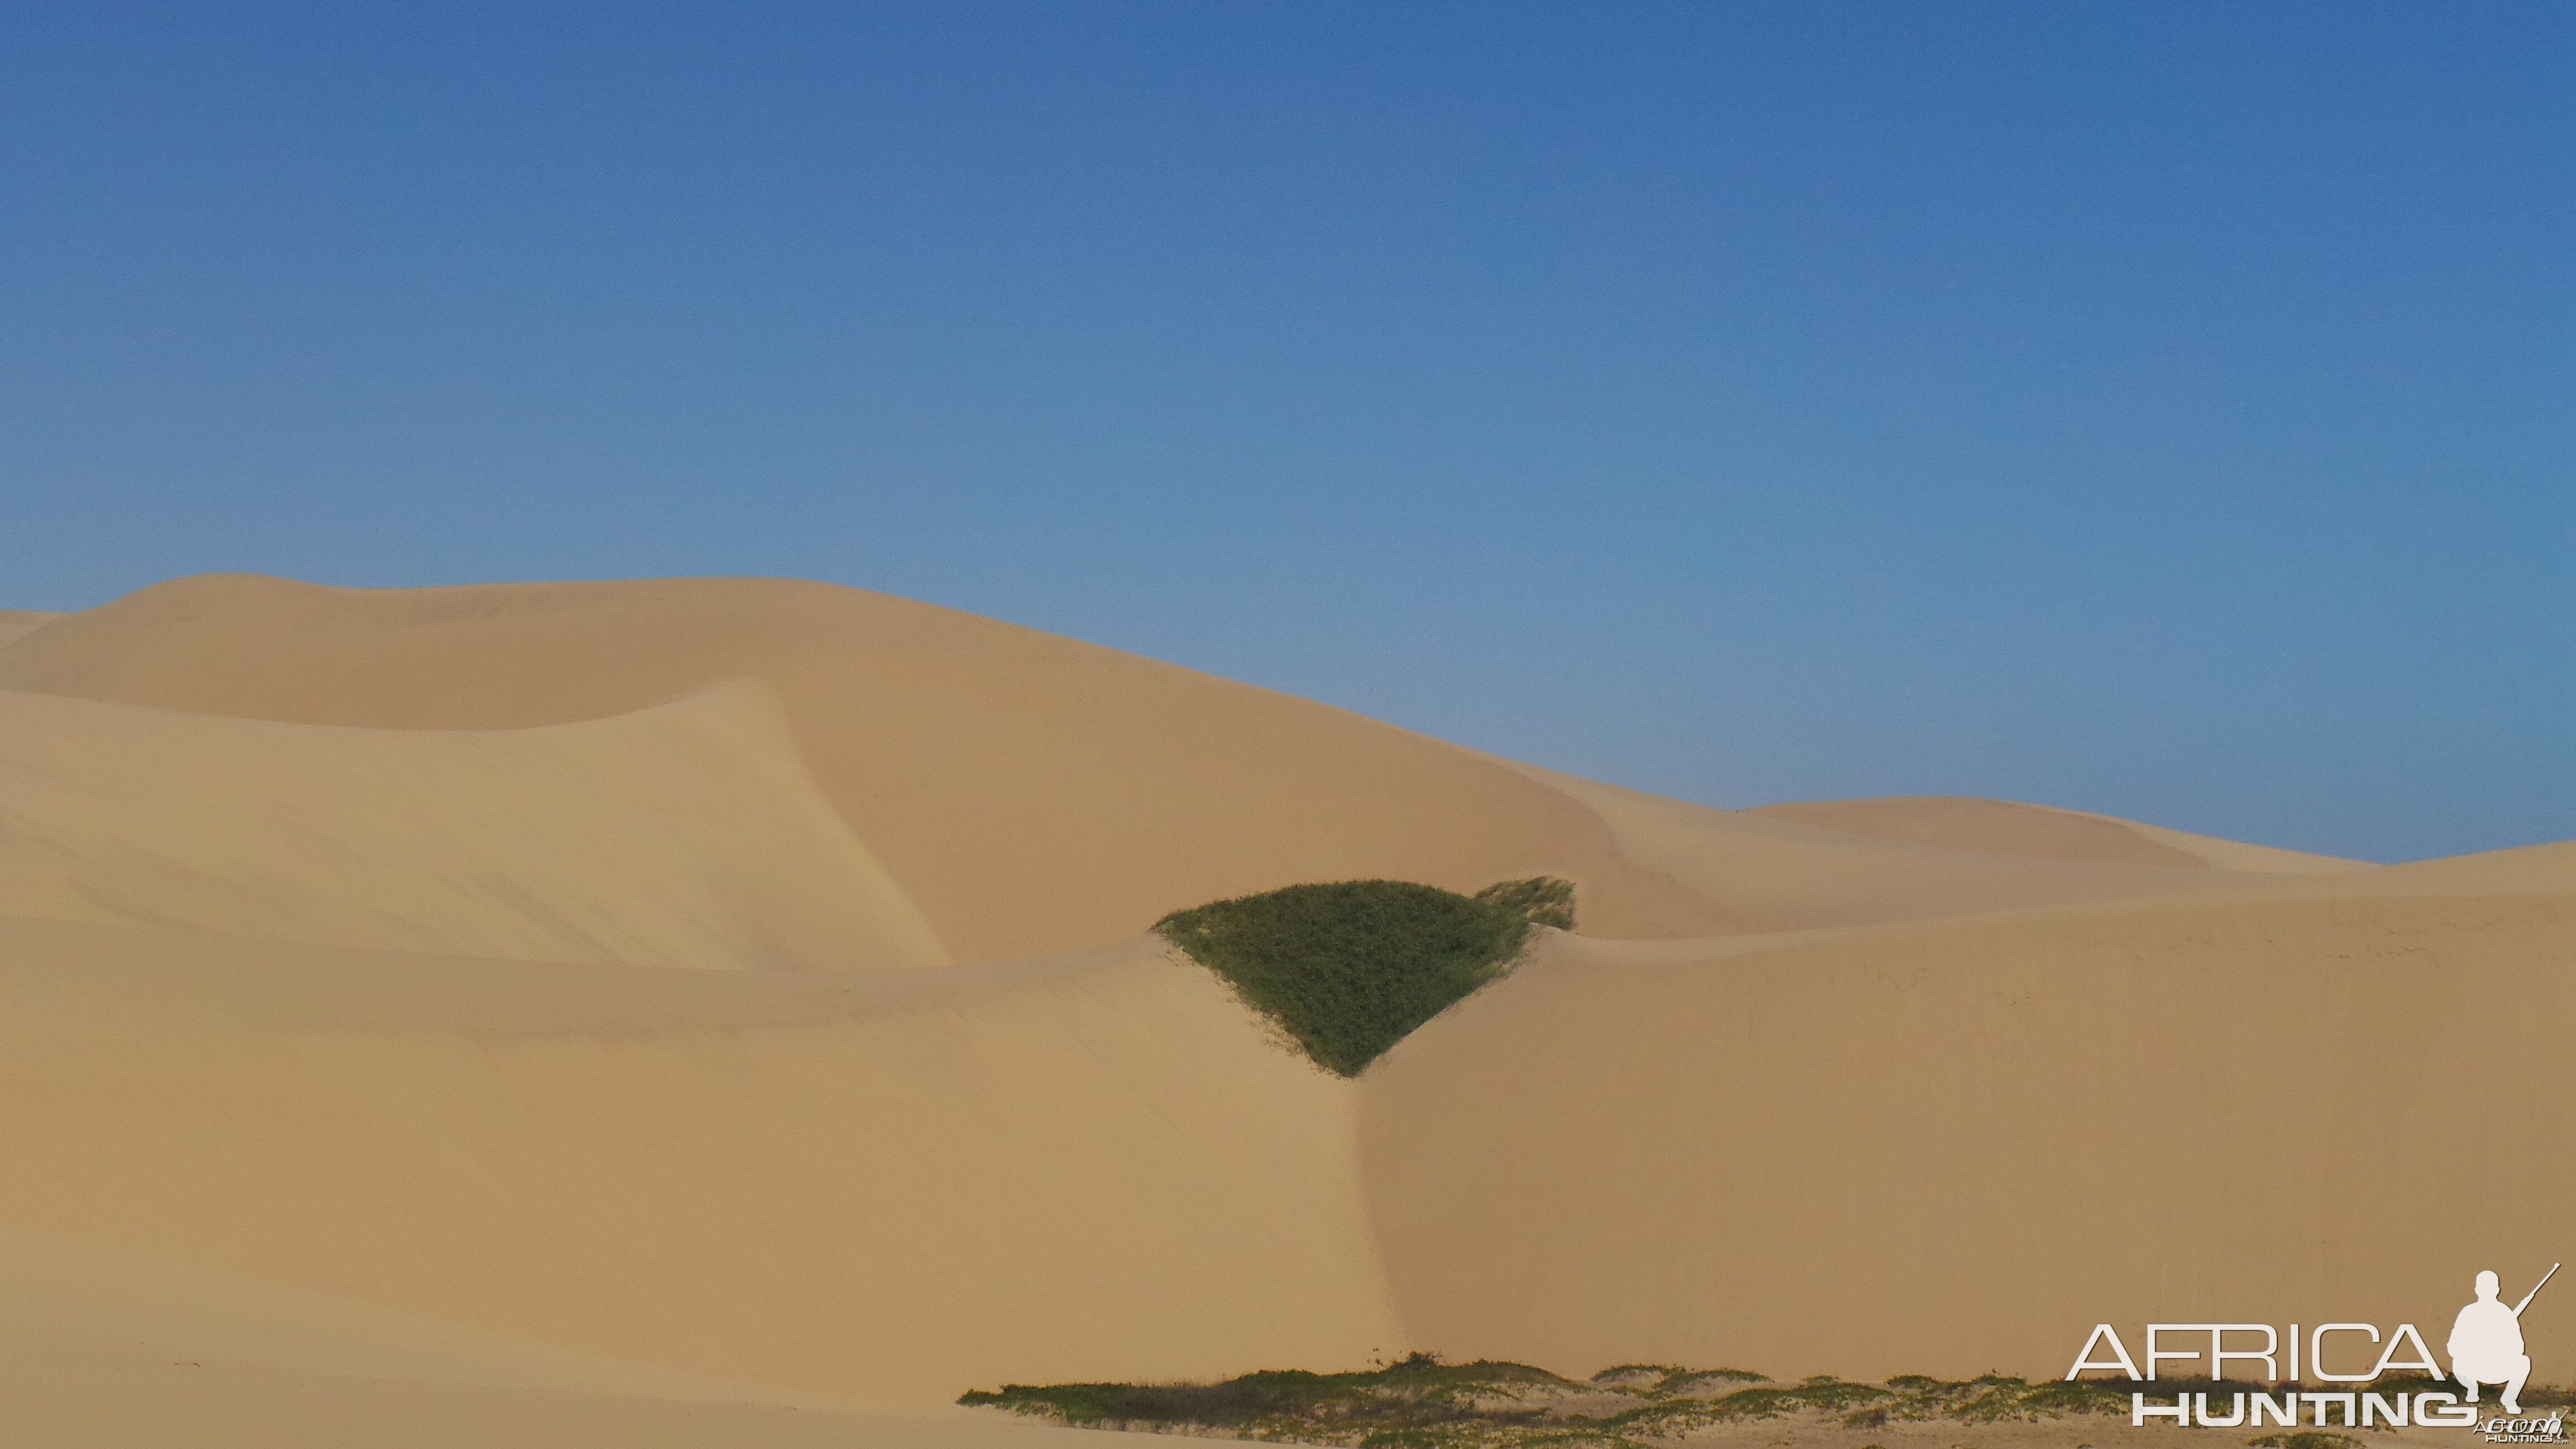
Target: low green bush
(1414, 1391)
(1698, 1381)
(1542, 900)
(1638, 1378)
(1348, 969)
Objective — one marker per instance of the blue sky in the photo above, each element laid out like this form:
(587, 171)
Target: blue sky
(2165, 410)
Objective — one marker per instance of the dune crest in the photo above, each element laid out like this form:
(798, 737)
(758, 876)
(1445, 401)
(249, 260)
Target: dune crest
(1028, 793)
(2005, 827)
(1767, 873)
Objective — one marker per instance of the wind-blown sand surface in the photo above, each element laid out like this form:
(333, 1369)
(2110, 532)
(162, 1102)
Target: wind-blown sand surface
(718, 1011)
(16, 624)
(687, 834)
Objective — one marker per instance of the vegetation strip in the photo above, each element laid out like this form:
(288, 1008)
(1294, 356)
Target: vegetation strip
(1421, 1403)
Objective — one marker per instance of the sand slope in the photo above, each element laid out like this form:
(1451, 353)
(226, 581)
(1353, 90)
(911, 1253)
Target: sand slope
(683, 835)
(363, 1073)
(1774, 873)
(18, 623)
(1953, 1147)
(2008, 828)
(1027, 792)
(868, 1188)
(184, 1404)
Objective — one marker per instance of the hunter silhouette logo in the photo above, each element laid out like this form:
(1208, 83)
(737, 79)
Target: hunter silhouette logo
(2486, 1341)
(2485, 1348)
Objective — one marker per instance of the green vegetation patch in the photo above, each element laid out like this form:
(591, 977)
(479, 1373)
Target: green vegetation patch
(1542, 900)
(1348, 969)
(1992, 1398)
(1708, 1381)
(1670, 1415)
(1416, 1400)
(1641, 1378)
(1421, 1403)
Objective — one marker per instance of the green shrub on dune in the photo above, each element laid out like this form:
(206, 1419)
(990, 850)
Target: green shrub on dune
(1542, 900)
(1348, 969)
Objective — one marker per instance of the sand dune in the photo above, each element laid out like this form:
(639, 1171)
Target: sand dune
(2037, 830)
(1028, 793)
(684, 835)
(1955, 1147)
(18, 623)
(73, 1306)
(1991, 825)
(203, 1408)
(365, 1075)
(868, 1188)
(2221, 854)
(1770, 873)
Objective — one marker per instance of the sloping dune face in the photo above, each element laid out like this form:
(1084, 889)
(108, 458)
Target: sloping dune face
(2036, 830)
(1954, 1148)
(683, 835)
(1776, 872)
(1994, 825)
(877, 1188)
(18, 623)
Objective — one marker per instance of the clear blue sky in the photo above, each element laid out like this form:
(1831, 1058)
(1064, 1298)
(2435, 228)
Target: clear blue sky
(2160, 409)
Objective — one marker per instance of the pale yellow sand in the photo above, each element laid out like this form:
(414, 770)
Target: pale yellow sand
(875, 1188)
(688, 834)
(1955, 1147)
(361, 1076)
(18, 623)
(2037, 830)
(1770, 872)
(186, 1407)
(1027, 792)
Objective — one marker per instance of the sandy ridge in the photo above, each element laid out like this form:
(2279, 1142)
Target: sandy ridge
(1028, 793)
